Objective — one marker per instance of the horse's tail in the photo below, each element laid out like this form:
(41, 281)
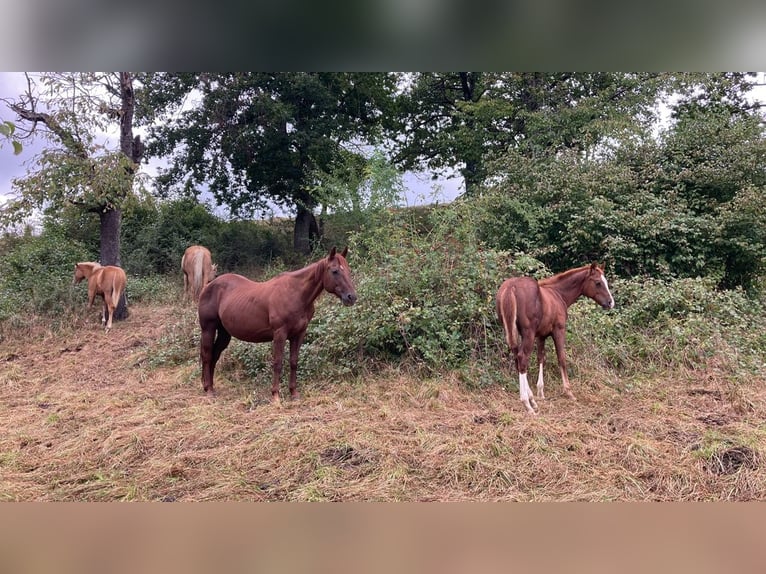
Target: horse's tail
(507, 308)
(118, 286)
(197, 273)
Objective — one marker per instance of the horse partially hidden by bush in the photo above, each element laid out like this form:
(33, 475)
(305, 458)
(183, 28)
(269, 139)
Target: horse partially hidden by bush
(107, 281)
(276, 310)
(532, 309)
(198, 269)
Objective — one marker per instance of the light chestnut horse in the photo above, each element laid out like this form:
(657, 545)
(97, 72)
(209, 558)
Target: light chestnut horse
(198, 269)
(532, 309)
(108, 282)
(276, 310)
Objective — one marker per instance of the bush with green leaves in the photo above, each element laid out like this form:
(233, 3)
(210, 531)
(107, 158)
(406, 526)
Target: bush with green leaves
(36, 275)
(660, 326)
(427, 299)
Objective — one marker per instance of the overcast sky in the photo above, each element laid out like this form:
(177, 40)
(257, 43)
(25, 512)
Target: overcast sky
(419, 186)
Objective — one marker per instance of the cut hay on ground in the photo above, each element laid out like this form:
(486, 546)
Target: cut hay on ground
(87, 418)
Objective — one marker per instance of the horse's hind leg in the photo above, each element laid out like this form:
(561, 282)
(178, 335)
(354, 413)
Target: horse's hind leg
(541, 364)
(559, 337)
(277, 354)
(522, 363)
(106, 316)
(210, 349)
(295, 346)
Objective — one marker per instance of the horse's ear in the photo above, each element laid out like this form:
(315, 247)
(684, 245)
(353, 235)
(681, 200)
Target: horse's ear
(345, 251)
(331, 255)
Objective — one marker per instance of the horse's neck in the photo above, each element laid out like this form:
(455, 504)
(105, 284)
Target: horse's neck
(89, 269)
(310, 280)
(568, 285)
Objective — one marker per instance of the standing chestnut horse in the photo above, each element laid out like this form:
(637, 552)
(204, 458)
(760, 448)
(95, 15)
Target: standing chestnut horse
(198, 269)
(109, 282)
(276, 310)
(532, 309)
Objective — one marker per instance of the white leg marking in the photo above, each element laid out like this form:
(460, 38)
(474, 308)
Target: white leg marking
(526, 394)
(540, 384)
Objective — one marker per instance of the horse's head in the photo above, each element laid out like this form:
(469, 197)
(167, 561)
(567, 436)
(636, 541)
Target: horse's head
(597, 288)
(337, 277)
(79, 273)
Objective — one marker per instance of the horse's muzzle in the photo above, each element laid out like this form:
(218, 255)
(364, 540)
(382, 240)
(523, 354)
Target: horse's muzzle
(348, 299)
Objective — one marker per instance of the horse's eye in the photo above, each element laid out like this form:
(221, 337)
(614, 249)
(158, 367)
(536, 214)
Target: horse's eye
(598, 283)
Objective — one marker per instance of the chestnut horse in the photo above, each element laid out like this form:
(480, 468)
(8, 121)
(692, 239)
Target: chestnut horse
(198, 269)
(276, 310)
(108, 281)
(532, 309)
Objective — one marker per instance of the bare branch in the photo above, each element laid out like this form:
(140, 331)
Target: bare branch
(69, 140)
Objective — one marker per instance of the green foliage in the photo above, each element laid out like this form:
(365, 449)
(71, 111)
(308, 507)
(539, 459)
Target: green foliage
(250, 245)
(73, 169)
(661, 326)
(257, 138)
(424, 298)
(36, 275)
(466, 118)
(7, 131)
(640, 215)
(154, 289)
(155, 234)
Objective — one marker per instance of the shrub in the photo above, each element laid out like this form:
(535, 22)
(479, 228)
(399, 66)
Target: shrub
(36, 275)
(424, 298)
(661, 326)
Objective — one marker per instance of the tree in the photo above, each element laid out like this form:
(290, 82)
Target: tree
(70, 110)
(256, 138)
(464, 119)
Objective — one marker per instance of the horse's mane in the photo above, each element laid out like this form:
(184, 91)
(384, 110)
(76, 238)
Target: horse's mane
(317, 268)
(563, 275)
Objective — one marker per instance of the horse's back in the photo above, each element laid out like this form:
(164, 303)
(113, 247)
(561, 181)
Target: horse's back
(225, 289)
(110, 277)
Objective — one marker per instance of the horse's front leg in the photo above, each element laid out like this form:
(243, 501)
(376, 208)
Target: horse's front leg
(277, 354)
(559, 338)
(295, 347)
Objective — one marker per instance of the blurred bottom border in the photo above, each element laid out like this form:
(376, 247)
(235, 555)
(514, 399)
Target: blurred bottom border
(381, 537)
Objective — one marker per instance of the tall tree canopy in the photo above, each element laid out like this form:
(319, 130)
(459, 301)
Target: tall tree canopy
(460, 120)
(256, 138)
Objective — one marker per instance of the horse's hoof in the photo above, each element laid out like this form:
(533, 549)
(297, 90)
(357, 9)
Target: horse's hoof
(276, 401)
(295, 396)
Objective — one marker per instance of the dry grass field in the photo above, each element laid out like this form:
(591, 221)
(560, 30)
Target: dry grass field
(86, 416)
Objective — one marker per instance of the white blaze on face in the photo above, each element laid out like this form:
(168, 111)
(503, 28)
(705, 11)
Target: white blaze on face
(606, 285)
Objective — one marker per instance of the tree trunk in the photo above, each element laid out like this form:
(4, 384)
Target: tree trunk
(306, 229)
(111, 220)
(473, 171)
